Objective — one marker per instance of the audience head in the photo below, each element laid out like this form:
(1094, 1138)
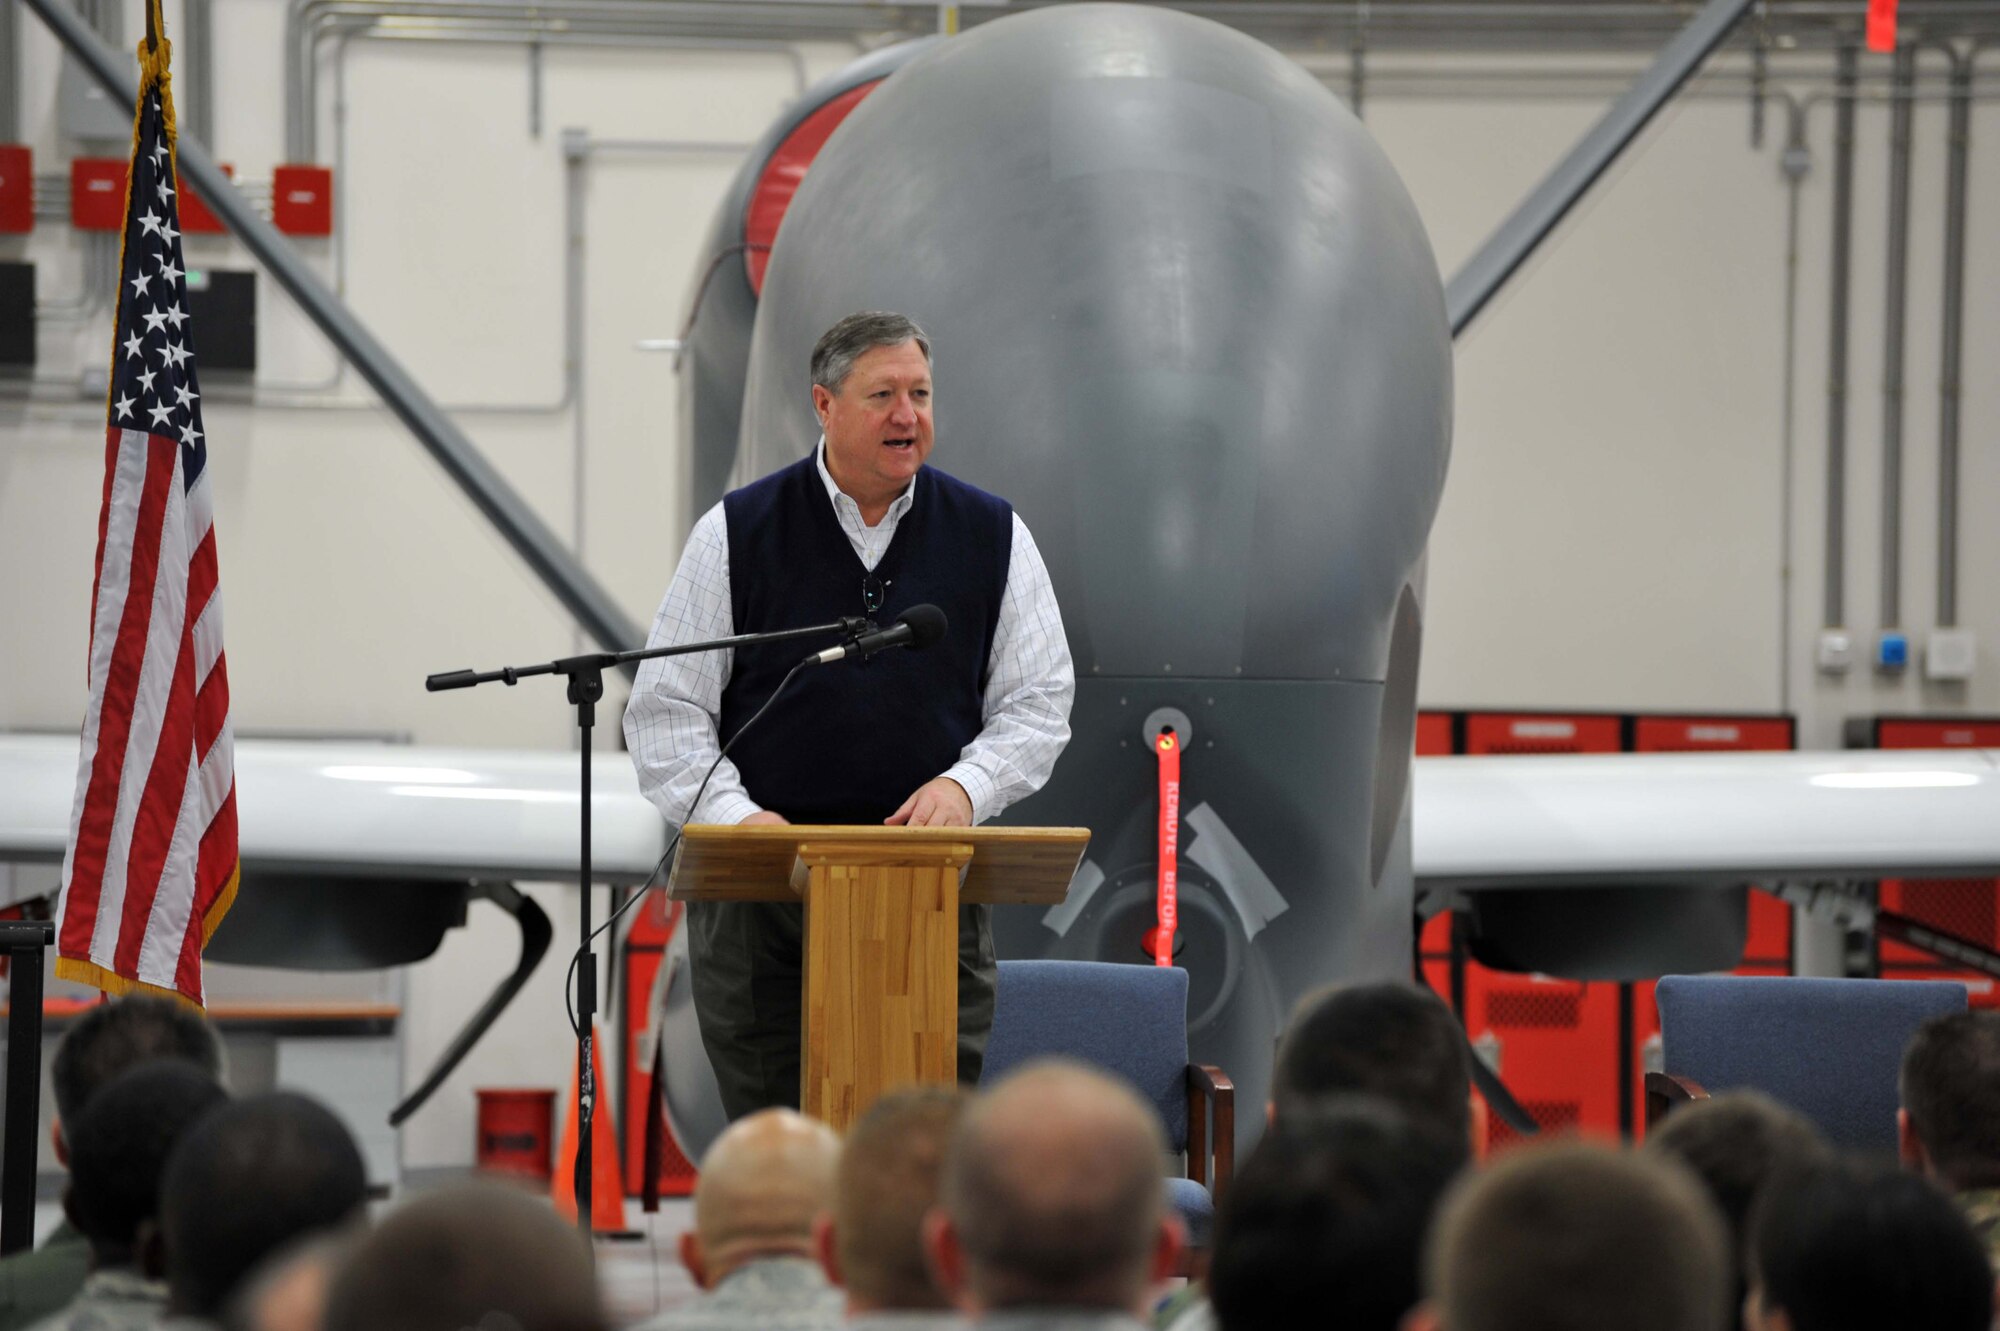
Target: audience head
(1577, 1238)
(475, 1255)
(111, 1037)
(288, 1290)
(1329, 1213)
(1950, 1121)
(888, 1181)
(1390, 1040)
(250, 1178)
(1736, 1143)
(1846, 1246)
(763, 1183)
(1053, 1196)
(118, 1149)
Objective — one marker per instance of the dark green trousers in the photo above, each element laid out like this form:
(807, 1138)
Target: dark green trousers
(749, 993)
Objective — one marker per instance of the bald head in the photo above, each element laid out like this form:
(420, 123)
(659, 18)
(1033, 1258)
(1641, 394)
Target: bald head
(1052, 1195)
(762, 1184)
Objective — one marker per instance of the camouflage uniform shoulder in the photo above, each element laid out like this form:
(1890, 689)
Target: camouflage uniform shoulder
(1982, 1208)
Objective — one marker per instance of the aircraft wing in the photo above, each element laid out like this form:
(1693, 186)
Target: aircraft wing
(349, 809)
(374, 809)
(1593, 820)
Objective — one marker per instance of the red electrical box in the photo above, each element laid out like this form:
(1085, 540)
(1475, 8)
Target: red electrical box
(1523, 732)
(645, 948)
(97, 193)
(195, 216)
(302, 200)
(1932, 732)
(17, 189)
(1555, 1043)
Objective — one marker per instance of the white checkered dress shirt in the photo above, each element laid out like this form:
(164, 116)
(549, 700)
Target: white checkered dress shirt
(670, 723)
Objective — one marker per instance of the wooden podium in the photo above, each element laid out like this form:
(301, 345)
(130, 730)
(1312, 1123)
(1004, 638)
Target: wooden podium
(881, 934)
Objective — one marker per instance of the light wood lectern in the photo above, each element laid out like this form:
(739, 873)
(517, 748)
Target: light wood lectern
(881, 934)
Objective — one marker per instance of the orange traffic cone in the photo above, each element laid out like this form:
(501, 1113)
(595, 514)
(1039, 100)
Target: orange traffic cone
(607, 1189)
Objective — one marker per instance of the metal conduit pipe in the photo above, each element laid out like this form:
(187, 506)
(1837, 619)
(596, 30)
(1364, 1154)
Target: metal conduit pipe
(1895, 318)
(318, 396)
(194, 82)
(10, 75)
(577, 150)
(1451, 24)
(302, 101)
(1833, 613)
(1597, 85)
(1951, 339)
(309, 22)
(1795, 163)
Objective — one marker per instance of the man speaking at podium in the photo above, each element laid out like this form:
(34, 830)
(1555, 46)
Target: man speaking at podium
(943, 737)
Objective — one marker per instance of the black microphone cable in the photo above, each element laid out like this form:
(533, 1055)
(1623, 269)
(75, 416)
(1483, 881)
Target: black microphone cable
(576, 958)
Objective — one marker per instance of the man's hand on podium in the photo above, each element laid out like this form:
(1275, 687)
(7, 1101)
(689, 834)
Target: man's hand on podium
(939, 802)
(764, 818)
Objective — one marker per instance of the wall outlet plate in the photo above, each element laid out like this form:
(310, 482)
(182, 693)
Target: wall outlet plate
(1835, 652)
(1951, 654)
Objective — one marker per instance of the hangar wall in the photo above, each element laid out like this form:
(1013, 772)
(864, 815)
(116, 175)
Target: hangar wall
(1610, 533)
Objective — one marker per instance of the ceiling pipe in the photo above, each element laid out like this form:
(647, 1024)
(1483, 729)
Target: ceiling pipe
(1951, 339)
(599, 22)
(1833, 613)
(1895, 319)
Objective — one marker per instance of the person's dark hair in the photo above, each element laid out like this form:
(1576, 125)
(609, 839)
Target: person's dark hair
(1579, 1238)
(1848, 1246)
(1392, 1040)
(840, 346)
(124, 1033)
(475, 1255)
(248, 1179)
(1736, 1143)
(1329, 1213)
(890, 1167)
(118, 1149)
(1951, 1090)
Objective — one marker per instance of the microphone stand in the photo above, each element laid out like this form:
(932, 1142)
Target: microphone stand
(586, 687)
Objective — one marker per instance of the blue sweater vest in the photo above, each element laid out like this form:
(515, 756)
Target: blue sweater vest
(850, 741)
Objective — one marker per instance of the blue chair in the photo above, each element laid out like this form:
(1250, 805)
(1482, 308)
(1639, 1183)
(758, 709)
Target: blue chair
(1130, 1021)
(1830, 1049)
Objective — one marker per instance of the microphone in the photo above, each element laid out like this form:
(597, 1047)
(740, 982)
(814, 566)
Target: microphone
(916, 628)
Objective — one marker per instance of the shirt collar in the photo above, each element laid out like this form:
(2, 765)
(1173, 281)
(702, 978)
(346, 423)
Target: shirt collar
(897, 508)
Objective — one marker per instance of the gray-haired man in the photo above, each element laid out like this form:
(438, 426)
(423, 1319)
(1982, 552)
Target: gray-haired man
(945, 737)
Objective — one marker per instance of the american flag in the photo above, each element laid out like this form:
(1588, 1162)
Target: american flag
(152, 859)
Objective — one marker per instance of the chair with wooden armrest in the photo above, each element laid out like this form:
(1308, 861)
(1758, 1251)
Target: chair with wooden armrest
(1130, 1021)
(1665, 1091)
(1830, 1049)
